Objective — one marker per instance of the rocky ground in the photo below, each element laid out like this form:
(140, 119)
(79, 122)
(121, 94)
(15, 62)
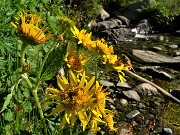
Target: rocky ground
(141, 109)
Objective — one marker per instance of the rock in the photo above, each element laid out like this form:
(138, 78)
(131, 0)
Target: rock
(146, 89)
(175, 93)
(133, 114)
(132, 94)
(106, 83)
(173, 46)
(123, 85)
(123, 102)
(144, 27)
(103, 13)
(167, 131)
(141, 106)
(152, 57)
(157, 73)
(157, 48)
(124, 20)
(116, 35)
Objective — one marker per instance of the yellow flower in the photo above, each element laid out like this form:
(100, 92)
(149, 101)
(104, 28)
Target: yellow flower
(75, 97)
(119, 64)
(103, 47)
(100, 101)
(84, 38)
(29, 27)
(95, 121)
(110, 122)
(75, 61)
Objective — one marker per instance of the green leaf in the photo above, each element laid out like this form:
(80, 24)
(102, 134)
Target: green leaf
(8, 99)
(54, 62)
(27, 106)
(9, 116)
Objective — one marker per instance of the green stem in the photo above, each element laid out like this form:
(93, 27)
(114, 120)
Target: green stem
(34, 93)
(104, 72)
(23, 51)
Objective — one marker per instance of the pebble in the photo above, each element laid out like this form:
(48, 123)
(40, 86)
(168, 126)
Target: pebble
(173, 46)
(132, 94)
(132, 114)
(167, 131)
(123, 102)
(106, 83)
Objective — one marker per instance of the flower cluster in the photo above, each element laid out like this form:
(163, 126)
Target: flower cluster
(100, 47)
(79, 99)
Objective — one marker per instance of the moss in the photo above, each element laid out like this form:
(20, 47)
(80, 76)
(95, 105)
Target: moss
(171, 118)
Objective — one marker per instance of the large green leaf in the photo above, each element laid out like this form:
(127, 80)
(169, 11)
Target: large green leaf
(54, 62)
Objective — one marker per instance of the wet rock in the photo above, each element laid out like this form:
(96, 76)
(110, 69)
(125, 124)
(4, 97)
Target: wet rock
(175, 93)
(106, 83)
(123, 85)
(152, 57)
(133, 114)
(173, 46)
(167, 131)
(103, 13)
(157, 48)
(132, 94)
(154, 72)
(177, 53)
(146, 89)
(141, 106)
(116, 35)
(123, 102)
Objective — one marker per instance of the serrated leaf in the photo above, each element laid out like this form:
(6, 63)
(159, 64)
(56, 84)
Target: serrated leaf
(54, 61)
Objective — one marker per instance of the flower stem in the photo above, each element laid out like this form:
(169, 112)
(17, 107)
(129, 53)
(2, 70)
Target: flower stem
(23, 51)
(34, 93)
(104, 72)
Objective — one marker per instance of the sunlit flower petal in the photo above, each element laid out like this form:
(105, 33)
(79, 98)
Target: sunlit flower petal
(30, 28)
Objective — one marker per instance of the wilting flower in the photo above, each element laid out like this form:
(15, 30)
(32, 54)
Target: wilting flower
(30, 28)
(75, 97)
(119, 64)
(75, 61)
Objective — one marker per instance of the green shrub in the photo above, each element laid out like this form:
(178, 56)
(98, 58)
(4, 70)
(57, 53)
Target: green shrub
(159, 15)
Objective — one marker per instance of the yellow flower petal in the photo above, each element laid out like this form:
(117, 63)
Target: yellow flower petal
(81, 84)
(90, 83)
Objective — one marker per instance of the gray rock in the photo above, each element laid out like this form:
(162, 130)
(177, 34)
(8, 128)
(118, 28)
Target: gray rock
(167, 131)
(123, 85)
(173, 46)
(132, 94)
(106, 83)
(103, 13)
(123, 102)
(152, 57)
(116, 35)
(146, 89)
(133, 114)
(175, 93)
(157, 73)
(157, 48)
